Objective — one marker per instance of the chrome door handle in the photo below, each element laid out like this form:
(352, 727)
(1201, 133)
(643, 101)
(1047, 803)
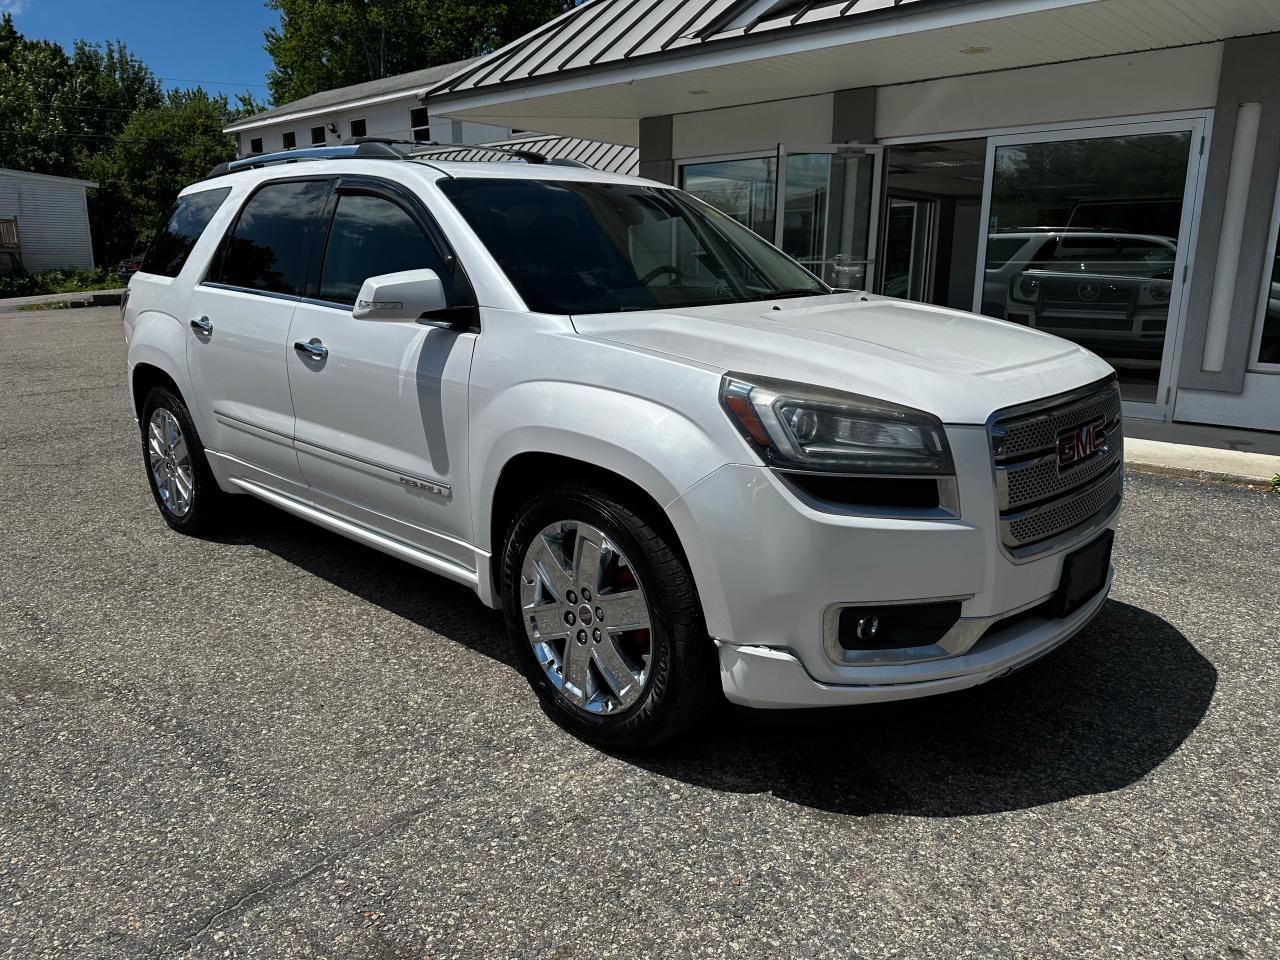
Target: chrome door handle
(202, 326)
(311, 349)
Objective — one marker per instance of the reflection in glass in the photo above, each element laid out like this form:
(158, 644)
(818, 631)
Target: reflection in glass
(269, 248)
(1269, 348)
(744, 189)
(827, 214)
(572, 247)
(371, 236)
(1083, 241)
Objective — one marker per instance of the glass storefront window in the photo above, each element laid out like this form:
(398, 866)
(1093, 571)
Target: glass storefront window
(744, 189)
(1082, 243)
(1269, 344)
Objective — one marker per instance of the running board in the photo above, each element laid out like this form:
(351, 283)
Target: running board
(370, 538)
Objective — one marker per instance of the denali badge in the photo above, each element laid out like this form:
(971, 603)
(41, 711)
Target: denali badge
(1079, 443)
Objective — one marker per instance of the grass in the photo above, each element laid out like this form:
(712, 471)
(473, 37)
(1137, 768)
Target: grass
(1275, 483)
(57, 281)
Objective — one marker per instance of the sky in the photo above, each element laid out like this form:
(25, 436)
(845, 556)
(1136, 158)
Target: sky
(214, 43)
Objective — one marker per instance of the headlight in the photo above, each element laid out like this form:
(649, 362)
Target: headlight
(1025, 289)
(798, 427)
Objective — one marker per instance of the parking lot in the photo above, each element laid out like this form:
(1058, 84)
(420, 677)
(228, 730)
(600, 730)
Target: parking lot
(279, 743)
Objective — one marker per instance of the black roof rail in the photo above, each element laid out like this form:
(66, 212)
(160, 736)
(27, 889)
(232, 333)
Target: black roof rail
(528, 156)
(374, 149)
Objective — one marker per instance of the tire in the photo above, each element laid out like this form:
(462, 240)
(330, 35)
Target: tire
(680, 677)
(174, 464)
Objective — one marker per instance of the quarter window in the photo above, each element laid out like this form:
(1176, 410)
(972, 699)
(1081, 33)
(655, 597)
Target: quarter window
(270, 245)
(172, 245)
(371, 236)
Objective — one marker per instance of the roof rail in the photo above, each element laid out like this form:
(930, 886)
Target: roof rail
(528, 156)
(368, 149)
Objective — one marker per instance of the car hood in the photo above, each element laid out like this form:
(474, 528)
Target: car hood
(958, 366)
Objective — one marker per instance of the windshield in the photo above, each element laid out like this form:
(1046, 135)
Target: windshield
(580, 247)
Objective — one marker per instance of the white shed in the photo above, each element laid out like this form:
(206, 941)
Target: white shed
(52, 221)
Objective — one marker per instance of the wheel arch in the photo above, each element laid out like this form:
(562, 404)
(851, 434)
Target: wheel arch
(144, 377)
(616, 471)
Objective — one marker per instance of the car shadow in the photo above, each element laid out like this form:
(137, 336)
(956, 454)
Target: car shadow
(1096, 715)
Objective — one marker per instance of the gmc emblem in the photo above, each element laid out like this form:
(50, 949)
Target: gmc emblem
(1080, 443)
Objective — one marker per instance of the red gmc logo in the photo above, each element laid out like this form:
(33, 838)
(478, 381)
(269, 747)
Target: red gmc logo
(1076, 444)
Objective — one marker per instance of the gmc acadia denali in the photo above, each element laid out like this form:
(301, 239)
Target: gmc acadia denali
(660, 445)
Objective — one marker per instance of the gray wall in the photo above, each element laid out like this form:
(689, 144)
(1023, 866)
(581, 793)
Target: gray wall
(1250, 74)
(853, 116)
(656, 141)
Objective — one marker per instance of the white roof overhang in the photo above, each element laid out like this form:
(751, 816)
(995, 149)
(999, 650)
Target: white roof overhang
(607, 100)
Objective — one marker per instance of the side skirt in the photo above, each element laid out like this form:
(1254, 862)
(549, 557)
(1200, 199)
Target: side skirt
(395, 548)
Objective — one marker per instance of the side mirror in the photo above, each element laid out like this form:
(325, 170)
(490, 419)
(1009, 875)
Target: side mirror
(407, 295)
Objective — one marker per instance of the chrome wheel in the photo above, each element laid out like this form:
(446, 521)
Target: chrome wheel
(586, 618)
(170, 462)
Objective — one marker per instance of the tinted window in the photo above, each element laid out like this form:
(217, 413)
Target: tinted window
(269, 248)
(172, 245)
(582, 247)
(371, 236)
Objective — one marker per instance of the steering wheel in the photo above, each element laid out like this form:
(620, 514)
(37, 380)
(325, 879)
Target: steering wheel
(676, 274)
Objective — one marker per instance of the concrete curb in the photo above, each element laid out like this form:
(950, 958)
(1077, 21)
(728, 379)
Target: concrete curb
(1200, 463)
(63, 301)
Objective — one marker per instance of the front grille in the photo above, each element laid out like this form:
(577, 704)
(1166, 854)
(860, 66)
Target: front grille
(1039, 501)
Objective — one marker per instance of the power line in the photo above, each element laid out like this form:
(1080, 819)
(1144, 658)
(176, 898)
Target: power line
(220, 83)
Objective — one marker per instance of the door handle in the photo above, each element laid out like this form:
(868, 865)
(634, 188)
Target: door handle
(202, 326)
(311, 349)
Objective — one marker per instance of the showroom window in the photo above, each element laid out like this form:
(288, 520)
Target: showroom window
(744, 189)
(1267, 349)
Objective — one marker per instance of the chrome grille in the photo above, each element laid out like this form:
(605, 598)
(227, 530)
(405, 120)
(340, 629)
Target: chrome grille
(1040, 503)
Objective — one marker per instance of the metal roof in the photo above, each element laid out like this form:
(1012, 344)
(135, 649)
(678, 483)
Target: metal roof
(386, 87)
(609, 157)
(602, 32)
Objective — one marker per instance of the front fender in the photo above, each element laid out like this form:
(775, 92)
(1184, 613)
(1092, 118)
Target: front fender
(662, 450)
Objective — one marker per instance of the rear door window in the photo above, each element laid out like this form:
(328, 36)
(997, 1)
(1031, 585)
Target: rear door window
(270, 246)
(173, 244)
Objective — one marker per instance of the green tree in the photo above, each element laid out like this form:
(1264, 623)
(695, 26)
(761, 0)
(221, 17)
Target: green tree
(322, 44)
(159, 151)
(100, 114)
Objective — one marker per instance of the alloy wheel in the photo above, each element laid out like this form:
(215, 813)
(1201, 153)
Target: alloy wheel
(170, 462)
(586, 617)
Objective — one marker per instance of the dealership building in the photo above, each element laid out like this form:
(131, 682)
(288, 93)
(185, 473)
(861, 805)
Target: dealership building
(1104, 170)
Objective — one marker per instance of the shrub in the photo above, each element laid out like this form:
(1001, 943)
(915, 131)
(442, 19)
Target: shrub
(57, 281)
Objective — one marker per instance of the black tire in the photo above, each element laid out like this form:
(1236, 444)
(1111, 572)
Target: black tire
(683, 678)
(207, 500)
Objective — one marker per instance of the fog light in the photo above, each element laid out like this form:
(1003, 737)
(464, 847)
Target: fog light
(866, 627)
(896, 626)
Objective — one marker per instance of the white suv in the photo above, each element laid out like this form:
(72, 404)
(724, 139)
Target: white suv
(657, 443)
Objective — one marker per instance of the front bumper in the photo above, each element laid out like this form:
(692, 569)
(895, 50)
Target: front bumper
(774, 678)
(768, 566)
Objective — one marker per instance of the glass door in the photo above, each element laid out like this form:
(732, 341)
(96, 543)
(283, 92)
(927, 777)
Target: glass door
(828, 203)
(908, 249)
(1087, 237)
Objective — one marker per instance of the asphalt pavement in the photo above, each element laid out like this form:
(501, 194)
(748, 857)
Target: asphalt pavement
(278, 743)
